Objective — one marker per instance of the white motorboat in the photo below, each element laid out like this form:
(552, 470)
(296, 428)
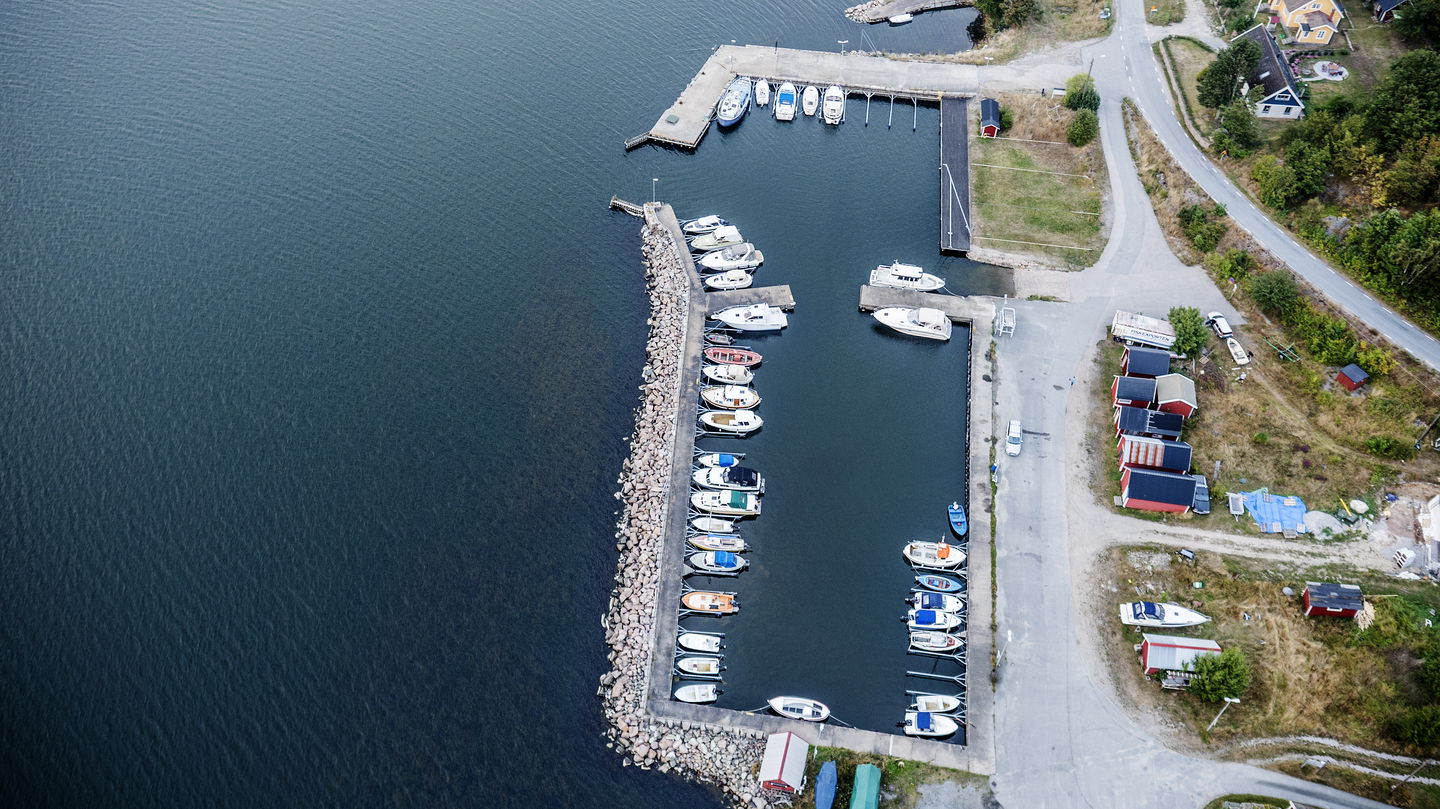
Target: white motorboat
(713, 525)
(730, 397)
(935, 703)
(733, 543)
(810, 710)
(723, 236)
(754, 317)
(900, 19)
(741, 256)
(700, 642)
(732, 503)
(905, 276)
(730, 279)
(932, 620)
(810, 100)
(832, 110)
(704, 224)
(729, 374)
(723, 562)
(1160, 616)
(697, 693)
(720, 458)
(700, 666)
(924, 723)
(739, 422)
(735, 478)
(917, 322)
(762, 93)
(930, 640)
(735, 103)
(785, 102)
(1237, 351)
(937, 601)
(934, 555)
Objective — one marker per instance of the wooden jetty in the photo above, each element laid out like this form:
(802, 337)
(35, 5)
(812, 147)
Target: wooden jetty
(954, 175)
(882, 11)
(775, 296)
(632, 208)
(958, 308)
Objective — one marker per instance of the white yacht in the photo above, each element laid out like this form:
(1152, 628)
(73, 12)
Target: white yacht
(742, 256)
(723, 236)
(730, 279)
(785, 102)
(905, 276)
(833, 110)
(762, 93)
(810, 100)
(761, 317)
(921, 322)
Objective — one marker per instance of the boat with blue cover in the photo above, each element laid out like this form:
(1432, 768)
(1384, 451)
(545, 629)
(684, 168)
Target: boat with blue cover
(924, 723)
(735, 103)
(932, 620)
(785, 102)
(939, 584)
(721, 562)
(721, 459)
(825, 784)
(937, 601)
(958, 522)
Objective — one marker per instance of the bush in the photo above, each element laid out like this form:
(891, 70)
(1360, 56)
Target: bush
(1261, 438)
(1219, 676)
(1417, 727)
(1389, 447)
(1199, 229)
(1007, 118)
(1083, 129)
(1376, 360)
(1275, 292)
(1190, 332)
(1234, 264)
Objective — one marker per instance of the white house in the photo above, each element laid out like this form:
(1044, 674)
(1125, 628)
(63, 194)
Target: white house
(1281, 92)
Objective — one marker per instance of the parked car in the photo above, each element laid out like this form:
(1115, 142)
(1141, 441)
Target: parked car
(1202, 495)
(1014, 438)
(1217, 321)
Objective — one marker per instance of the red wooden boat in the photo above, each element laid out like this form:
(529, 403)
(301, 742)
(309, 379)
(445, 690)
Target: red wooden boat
(725, 355)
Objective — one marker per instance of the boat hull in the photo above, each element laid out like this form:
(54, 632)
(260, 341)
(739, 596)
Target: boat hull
(725, 355)
(935, 703)
(706, 562)
(733, 543)
(1167, 616)
(697, 693)
(900, 319)
(931, 640)
(708, 602)
(728, 280)
(738, 422)
(729, 374)
(958, 521)
(810, 100)
(734, 104)
(937, 555)
(939, 725)
(932, 620)
(808, 710)
(712, 525)
(700, 666)
(699, 642)
(939, 584)
(785, 102)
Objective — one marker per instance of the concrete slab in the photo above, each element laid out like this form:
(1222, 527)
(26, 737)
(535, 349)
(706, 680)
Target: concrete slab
(960, 309)
(780, 296)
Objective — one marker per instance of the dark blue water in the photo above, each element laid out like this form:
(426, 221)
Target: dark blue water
(319, 342)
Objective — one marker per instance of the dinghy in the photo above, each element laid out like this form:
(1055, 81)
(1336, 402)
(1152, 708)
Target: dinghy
(723, 236)
(704, 224)
(785, 102)
(958, 523)
(733, 543)
(700, 666)
(738, 478)
(711, 602)
(1160, 616)
(916, 322)
(939, 584)
(697, 693)
(725, 355)
(1237, 351)
(900, 19)
(735, 504)
(810, 710)
(932, 620)
(930, 640)
(935, 703)
(730, 397)
(944, 602)
(833, 108)
(729, 374)
(739, 422)
(728, 280)
(716, 337)
(742, 256)
(723, 562)
(937, 555)
(924, 723)
(700, 642)
(762, 93)
(754, 317)
(720, 459)
(712, 525)
(905, 276)
(810, 100)
(825, 784)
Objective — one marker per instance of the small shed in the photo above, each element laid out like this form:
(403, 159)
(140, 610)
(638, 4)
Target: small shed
(1139, 421)
(1154, 453)
(1139, 361)
(1352, 377)
(783, 767)
(1173, 653)
(989, 117)
(1175, 393)
(1132, 391)
(865, 791)
(1335, 600)
(1155, 490)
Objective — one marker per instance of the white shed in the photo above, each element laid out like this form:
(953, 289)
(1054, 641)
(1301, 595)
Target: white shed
(783, 767)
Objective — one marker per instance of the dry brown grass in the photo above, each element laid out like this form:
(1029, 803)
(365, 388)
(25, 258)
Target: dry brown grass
(1059, 21)
(1188, 58)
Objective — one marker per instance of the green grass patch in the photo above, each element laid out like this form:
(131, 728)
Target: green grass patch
(1164, 12)
(1031, 198)
(900, 780)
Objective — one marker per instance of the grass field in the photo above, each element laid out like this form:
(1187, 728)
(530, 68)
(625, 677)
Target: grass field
(1164, 12)
(1189, 58)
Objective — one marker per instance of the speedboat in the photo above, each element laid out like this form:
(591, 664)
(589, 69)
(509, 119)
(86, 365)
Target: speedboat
(958, 523)
(810, 100)
(704, 224)
(825, 784)
(833, 108)
(905, 276)
(739, 422)
(729, 374)
(1159, 616)
(697, 692)
(810, 710)
(735, 103)
(937, 555)
(900, 19)
(721, 459)
(733, 356)
(716, 562)
(921, 322)
(723, 236)
(710, 601)
(700, 666)
(734, 478)
(935, 703)
(1237, 351)
(733, 543)
(939, 584)
(762, 93)
(785, 102)
(924, 723)
(713, 525)
(932, 620)
(937, 601)
(730, 503)
(730, 279)
(930, 640)
(755, 317)
(700, 642)
(741, 256)
(730, 397)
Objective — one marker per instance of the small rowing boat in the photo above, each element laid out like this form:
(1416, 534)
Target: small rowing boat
(700, 642)
(937, 555)
(958, 523)
(726, 355)
(939, 584)
(930, 640)
(810, 710)
(697, 693)
(700, 666)
(710, 602)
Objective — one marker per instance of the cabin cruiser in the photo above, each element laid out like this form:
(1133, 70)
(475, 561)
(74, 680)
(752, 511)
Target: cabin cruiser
(737, 478)
(810, 100)
(833, 109)
(916, 322)
(905, 276)
(1159, 616)
(703, 224)
(785, 102)
(728, 280)
(756, 317)
(735, 103)
(723, 236)
(742, 256)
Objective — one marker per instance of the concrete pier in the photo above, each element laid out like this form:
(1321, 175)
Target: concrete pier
(960, 309)
(775, 296)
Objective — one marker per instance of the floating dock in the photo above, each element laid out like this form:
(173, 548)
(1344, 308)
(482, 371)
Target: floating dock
(958, 309)
(775, 296)
(954, 176)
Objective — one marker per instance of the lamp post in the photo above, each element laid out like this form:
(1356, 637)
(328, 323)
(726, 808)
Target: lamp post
(1228, 702)
(653, 181)
(842, 43)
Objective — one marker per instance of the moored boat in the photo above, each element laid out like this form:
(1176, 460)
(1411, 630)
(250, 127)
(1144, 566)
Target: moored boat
(742, 256)
(723, 236)
(958, 522)
(734, 103)
(937, 555)
(924, 723)
(900, 275)
(731, 503)
(715, 337)
(723, 562)
(810, 100)
(810, 710)
(720, 459)
(762, 92)
(700, 642)
(711, 602)
(730, 397)
(755, 317)
(1162, 616)
(728, 280)
(697, 693)
(932, 620)
(728, 374)
(916, 322)
(832, 109)
(733, 543)
(726, 355)
(785, 102)
(945, 602)
(939, 584)
(737, 478)
(899, 19)
(703, 224)
(931, 640)
(713, 525)
(935, 703)
(700, 666)
(739, 422)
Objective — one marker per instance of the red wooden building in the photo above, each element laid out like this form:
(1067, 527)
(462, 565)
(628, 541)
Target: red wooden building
(1334, 600)
(1138, 361)
(1153, 453)
(1176, 394)
(1352, 377)
(1132, 391)
(1155, 490)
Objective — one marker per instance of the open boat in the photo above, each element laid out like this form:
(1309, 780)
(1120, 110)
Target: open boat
(713, 525)
(932, 620)
(762, 93)
(715, 337)
(1237, 351)
(810, 100)
(732, 503)
(728, 280)
(728, 374)
(733, 543)
(737, 478)
(931, 640)
(755, 317)
(700, 666)
(703, 224)
(832, 110)
(1160, 616)
(899, 19)
(916, 322)
(900, 275)
(700, 642)
(723, 236)
(939, 584)
(958, 523)
(717, 562)
(734, 104)
(937, 555)
(726, 355)
(935, 703)
(711, 602)
(810, 710)
(697, 693)
(720, 459)
(785, 102)
(730, 397)
(924, 723)
(825, 784)
(742, 256)
(944, 602)
(739, 422)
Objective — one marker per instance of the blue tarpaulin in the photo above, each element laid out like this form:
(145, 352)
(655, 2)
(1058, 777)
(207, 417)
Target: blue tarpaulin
(1276, 513)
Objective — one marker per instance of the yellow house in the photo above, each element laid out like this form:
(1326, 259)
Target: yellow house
(1309, 22)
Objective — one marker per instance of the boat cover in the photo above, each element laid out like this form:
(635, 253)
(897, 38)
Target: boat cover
(742, 476)
(926, 618)
(1147, 610)
(931, 601)
(737, 500)
(724, 559)
(922, 720)
(728, 460)
(942, 551)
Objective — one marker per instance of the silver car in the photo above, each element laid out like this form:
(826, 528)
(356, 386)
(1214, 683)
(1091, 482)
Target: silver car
(1014, 438)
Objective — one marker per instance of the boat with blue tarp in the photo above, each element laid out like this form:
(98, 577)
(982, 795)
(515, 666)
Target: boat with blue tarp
(825, 784)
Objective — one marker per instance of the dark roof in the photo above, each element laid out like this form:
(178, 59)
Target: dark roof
(1172, 454)
(989, 111)
(1135, 388)
(1177, 455)
(1330, 596)
(1355, 373)
(1161, 487)
(1272, 71)
(1386, 6)
(1148, 361)
(1152, 422)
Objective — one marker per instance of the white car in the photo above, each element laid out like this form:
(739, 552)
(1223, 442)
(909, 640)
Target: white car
(1014, 438)
(1217, 321)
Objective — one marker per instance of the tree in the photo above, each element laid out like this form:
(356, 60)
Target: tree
(1239, 124)
(1276, 181)
(1275, 292)
(993, 12)
(1080, 93)
(1190, 332)
(1405, 105)
(1311, 165)
(1219, 676)
(1420, 23)
(1083, 129)
(1019, 12)
(1219, 83)
(1414, 178)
